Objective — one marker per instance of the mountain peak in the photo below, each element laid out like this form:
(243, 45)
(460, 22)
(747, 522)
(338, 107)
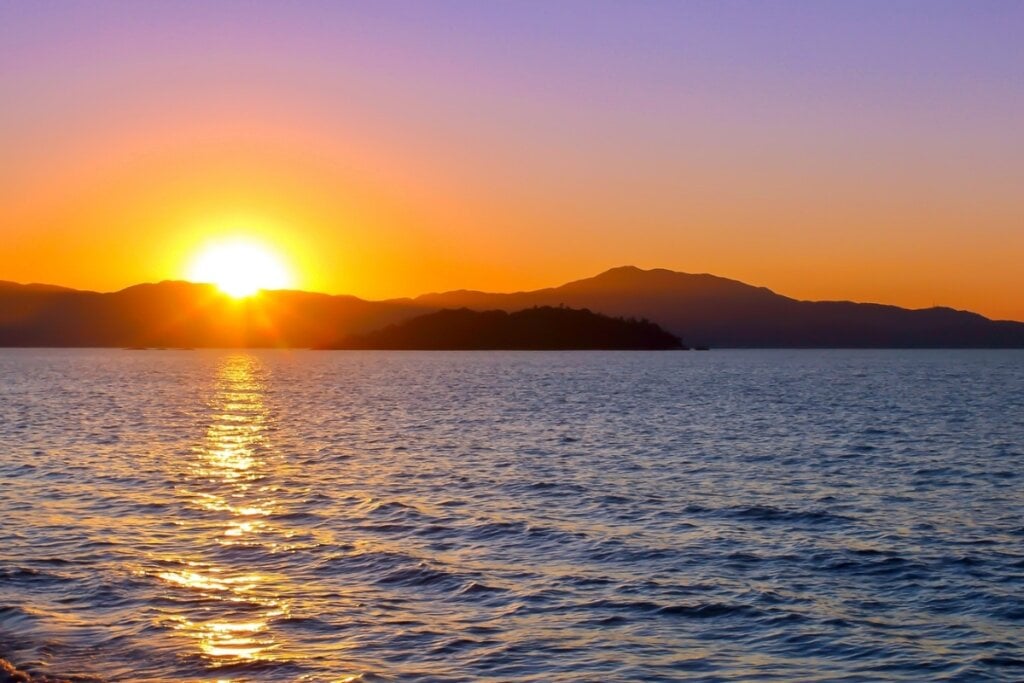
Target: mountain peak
(718, 311)
(622, 270)
(665, 282)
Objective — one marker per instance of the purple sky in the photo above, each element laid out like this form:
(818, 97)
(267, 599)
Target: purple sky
(754, 139)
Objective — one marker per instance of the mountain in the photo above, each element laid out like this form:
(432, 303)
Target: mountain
(530, 329)
(706, 309)
(183, 314)
(33, 286)
(703, 309)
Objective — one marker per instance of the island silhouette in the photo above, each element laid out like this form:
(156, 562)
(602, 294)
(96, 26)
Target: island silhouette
(706, 310)
(539, 328)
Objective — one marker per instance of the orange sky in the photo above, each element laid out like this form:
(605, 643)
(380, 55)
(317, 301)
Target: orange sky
(411, 157)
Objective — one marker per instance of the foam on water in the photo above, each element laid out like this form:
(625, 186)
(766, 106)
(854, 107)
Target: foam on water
(326, 516)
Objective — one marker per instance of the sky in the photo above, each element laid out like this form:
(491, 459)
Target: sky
(871, 151)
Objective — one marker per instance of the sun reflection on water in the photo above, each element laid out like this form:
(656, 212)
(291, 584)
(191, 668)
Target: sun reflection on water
(227, 612)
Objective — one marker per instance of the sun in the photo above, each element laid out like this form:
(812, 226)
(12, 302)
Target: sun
(240, 268)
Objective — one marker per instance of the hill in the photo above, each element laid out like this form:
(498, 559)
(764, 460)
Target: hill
(707, 309)
(703, 309)
(531, 329)
(183, 314)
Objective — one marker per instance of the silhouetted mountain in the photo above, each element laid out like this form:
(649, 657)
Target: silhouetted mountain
(183, 314)
(706, 309)
(703, 309)
(531, 329)
(33, 286)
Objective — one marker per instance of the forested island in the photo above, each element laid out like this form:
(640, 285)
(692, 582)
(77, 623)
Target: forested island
(539, 328)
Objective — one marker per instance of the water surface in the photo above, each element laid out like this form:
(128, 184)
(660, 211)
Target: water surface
(332, 516)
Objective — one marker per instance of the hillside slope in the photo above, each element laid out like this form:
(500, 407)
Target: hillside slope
(706, 309)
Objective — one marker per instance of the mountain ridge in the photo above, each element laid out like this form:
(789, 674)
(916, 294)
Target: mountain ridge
(432, 296)
(709, 309)
(702, 308)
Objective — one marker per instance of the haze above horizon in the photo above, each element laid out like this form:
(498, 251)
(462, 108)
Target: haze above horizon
(862, 151)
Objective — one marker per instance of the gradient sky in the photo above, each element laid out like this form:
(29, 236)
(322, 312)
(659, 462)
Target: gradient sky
(871, 151)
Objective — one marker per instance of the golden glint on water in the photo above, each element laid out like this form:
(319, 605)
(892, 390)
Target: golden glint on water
(229, 617)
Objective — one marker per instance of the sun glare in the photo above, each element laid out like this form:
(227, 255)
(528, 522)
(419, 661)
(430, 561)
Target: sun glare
(240, 268)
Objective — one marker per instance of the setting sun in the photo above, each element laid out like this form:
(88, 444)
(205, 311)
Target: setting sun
(240, 268)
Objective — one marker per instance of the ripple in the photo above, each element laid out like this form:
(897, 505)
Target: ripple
(288, 516)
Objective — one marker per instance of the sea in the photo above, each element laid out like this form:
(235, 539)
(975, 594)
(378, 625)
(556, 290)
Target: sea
(732, 515)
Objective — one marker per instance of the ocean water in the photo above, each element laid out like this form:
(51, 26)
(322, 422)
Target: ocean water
(389, 516)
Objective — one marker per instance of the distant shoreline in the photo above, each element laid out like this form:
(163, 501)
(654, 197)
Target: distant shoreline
(702, 309)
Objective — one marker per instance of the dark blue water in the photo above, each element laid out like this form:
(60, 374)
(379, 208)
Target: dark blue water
(331, 516)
